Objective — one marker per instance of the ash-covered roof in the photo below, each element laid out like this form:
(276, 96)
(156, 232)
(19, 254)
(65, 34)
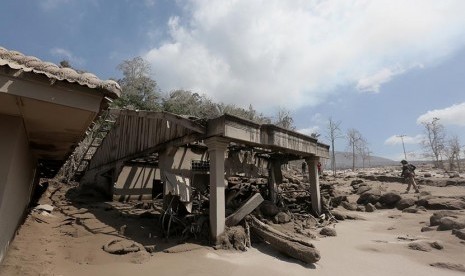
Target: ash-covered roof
(19, 61)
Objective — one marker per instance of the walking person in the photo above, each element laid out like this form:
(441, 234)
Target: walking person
(304, 168)
(408, 172)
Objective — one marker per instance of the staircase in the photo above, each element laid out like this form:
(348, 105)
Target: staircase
(96, 133)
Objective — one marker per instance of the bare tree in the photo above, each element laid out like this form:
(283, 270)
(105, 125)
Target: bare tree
(284, 119)
(353, 137)
(434, 141)
(453, 150)
(363, 150)
(333, 133)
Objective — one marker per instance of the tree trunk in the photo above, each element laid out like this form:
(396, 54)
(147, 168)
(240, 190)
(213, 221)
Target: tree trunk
(292, 247)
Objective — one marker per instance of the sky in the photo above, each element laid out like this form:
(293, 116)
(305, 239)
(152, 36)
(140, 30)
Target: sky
(382, 67)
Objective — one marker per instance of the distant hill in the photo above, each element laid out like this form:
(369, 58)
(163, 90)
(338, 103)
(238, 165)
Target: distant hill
(344, 161)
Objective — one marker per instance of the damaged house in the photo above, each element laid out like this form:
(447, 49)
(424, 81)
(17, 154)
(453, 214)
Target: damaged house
(149, 153)
(45, 111)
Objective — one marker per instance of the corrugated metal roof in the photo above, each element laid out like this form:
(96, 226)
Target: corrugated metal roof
(19, 61)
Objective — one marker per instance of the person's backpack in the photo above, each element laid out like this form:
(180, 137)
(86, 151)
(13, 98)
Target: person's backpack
(411, 167)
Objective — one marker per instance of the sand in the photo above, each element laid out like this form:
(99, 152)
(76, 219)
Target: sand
(378, 245)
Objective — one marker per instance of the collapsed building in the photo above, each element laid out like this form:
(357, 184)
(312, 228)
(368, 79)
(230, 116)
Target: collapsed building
(45, 111)
(146, 154)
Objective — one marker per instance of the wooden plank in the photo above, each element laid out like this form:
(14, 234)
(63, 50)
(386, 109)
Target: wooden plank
(244, 210)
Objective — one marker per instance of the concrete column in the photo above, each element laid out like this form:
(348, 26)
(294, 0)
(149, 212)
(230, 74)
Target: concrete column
(216, 150)
(313, 178)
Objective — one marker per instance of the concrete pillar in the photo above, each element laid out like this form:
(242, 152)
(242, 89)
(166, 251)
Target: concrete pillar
(216, 150)
(275, 177)
(313, 178)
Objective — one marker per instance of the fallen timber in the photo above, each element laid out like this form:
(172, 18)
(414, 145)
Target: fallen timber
(292, 247)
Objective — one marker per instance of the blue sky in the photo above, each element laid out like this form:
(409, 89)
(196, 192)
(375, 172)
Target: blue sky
(380, 67)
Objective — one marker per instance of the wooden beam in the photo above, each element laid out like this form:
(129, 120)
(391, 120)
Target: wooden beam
(244, 210)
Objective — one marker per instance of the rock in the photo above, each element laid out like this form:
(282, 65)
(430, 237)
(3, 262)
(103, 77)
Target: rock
(370, 208)
(427, 229)
(150, 248)
(269, 209)
(436, 217)
(454, 175)
(451, 266)
(371, 196)
(405, 203)
(411, 210)
(361, 208)
(120, 246)
(363, 189)
(349, 206)
(356, 181)
(390, 199)
(378, 205)
(420, 246)
(448, 223)
(459, 233)
(427, 175)
(421, 209)
(445, 204)
(338, 214)
(327, 231)
(437, 245)
(281, 218)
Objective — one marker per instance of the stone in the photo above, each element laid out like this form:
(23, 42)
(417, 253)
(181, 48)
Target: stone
(356, 181)
(427, 175)
(411, 210)
(269, 209)
(448, 223)
(437, 245)
(390, 199)
(420, 246)
(445, 204)
(427, 229)
(371, 196)
(459, 233)
(349, 206)
(338, 214)
(328, 231)
(363, 189)
(450, 266)
(281, 218)
(370, 208)
(436, 217)
(405, 203)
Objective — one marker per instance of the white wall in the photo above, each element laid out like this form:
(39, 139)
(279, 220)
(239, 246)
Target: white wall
(17, 170)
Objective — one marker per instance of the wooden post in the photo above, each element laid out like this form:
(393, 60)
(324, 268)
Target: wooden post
(165, 163)
(275, 177)
(216, 150)
(313, 178)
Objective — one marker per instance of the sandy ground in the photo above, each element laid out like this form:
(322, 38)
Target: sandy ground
(378, 245)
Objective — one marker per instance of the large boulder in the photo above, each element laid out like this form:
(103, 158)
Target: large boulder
(390, 199)
(437, 216)
(448, 223)
(349, 206)
(445, 204)
(372, 196)
(338, 214)
(405, 203)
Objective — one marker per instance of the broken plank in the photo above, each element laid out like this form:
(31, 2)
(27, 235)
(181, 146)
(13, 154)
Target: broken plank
(244, 210)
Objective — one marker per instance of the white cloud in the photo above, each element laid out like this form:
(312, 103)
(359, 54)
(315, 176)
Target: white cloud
(294, 53)
(452, 115)
(67, 55)
(396, 139)
(373, 83)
